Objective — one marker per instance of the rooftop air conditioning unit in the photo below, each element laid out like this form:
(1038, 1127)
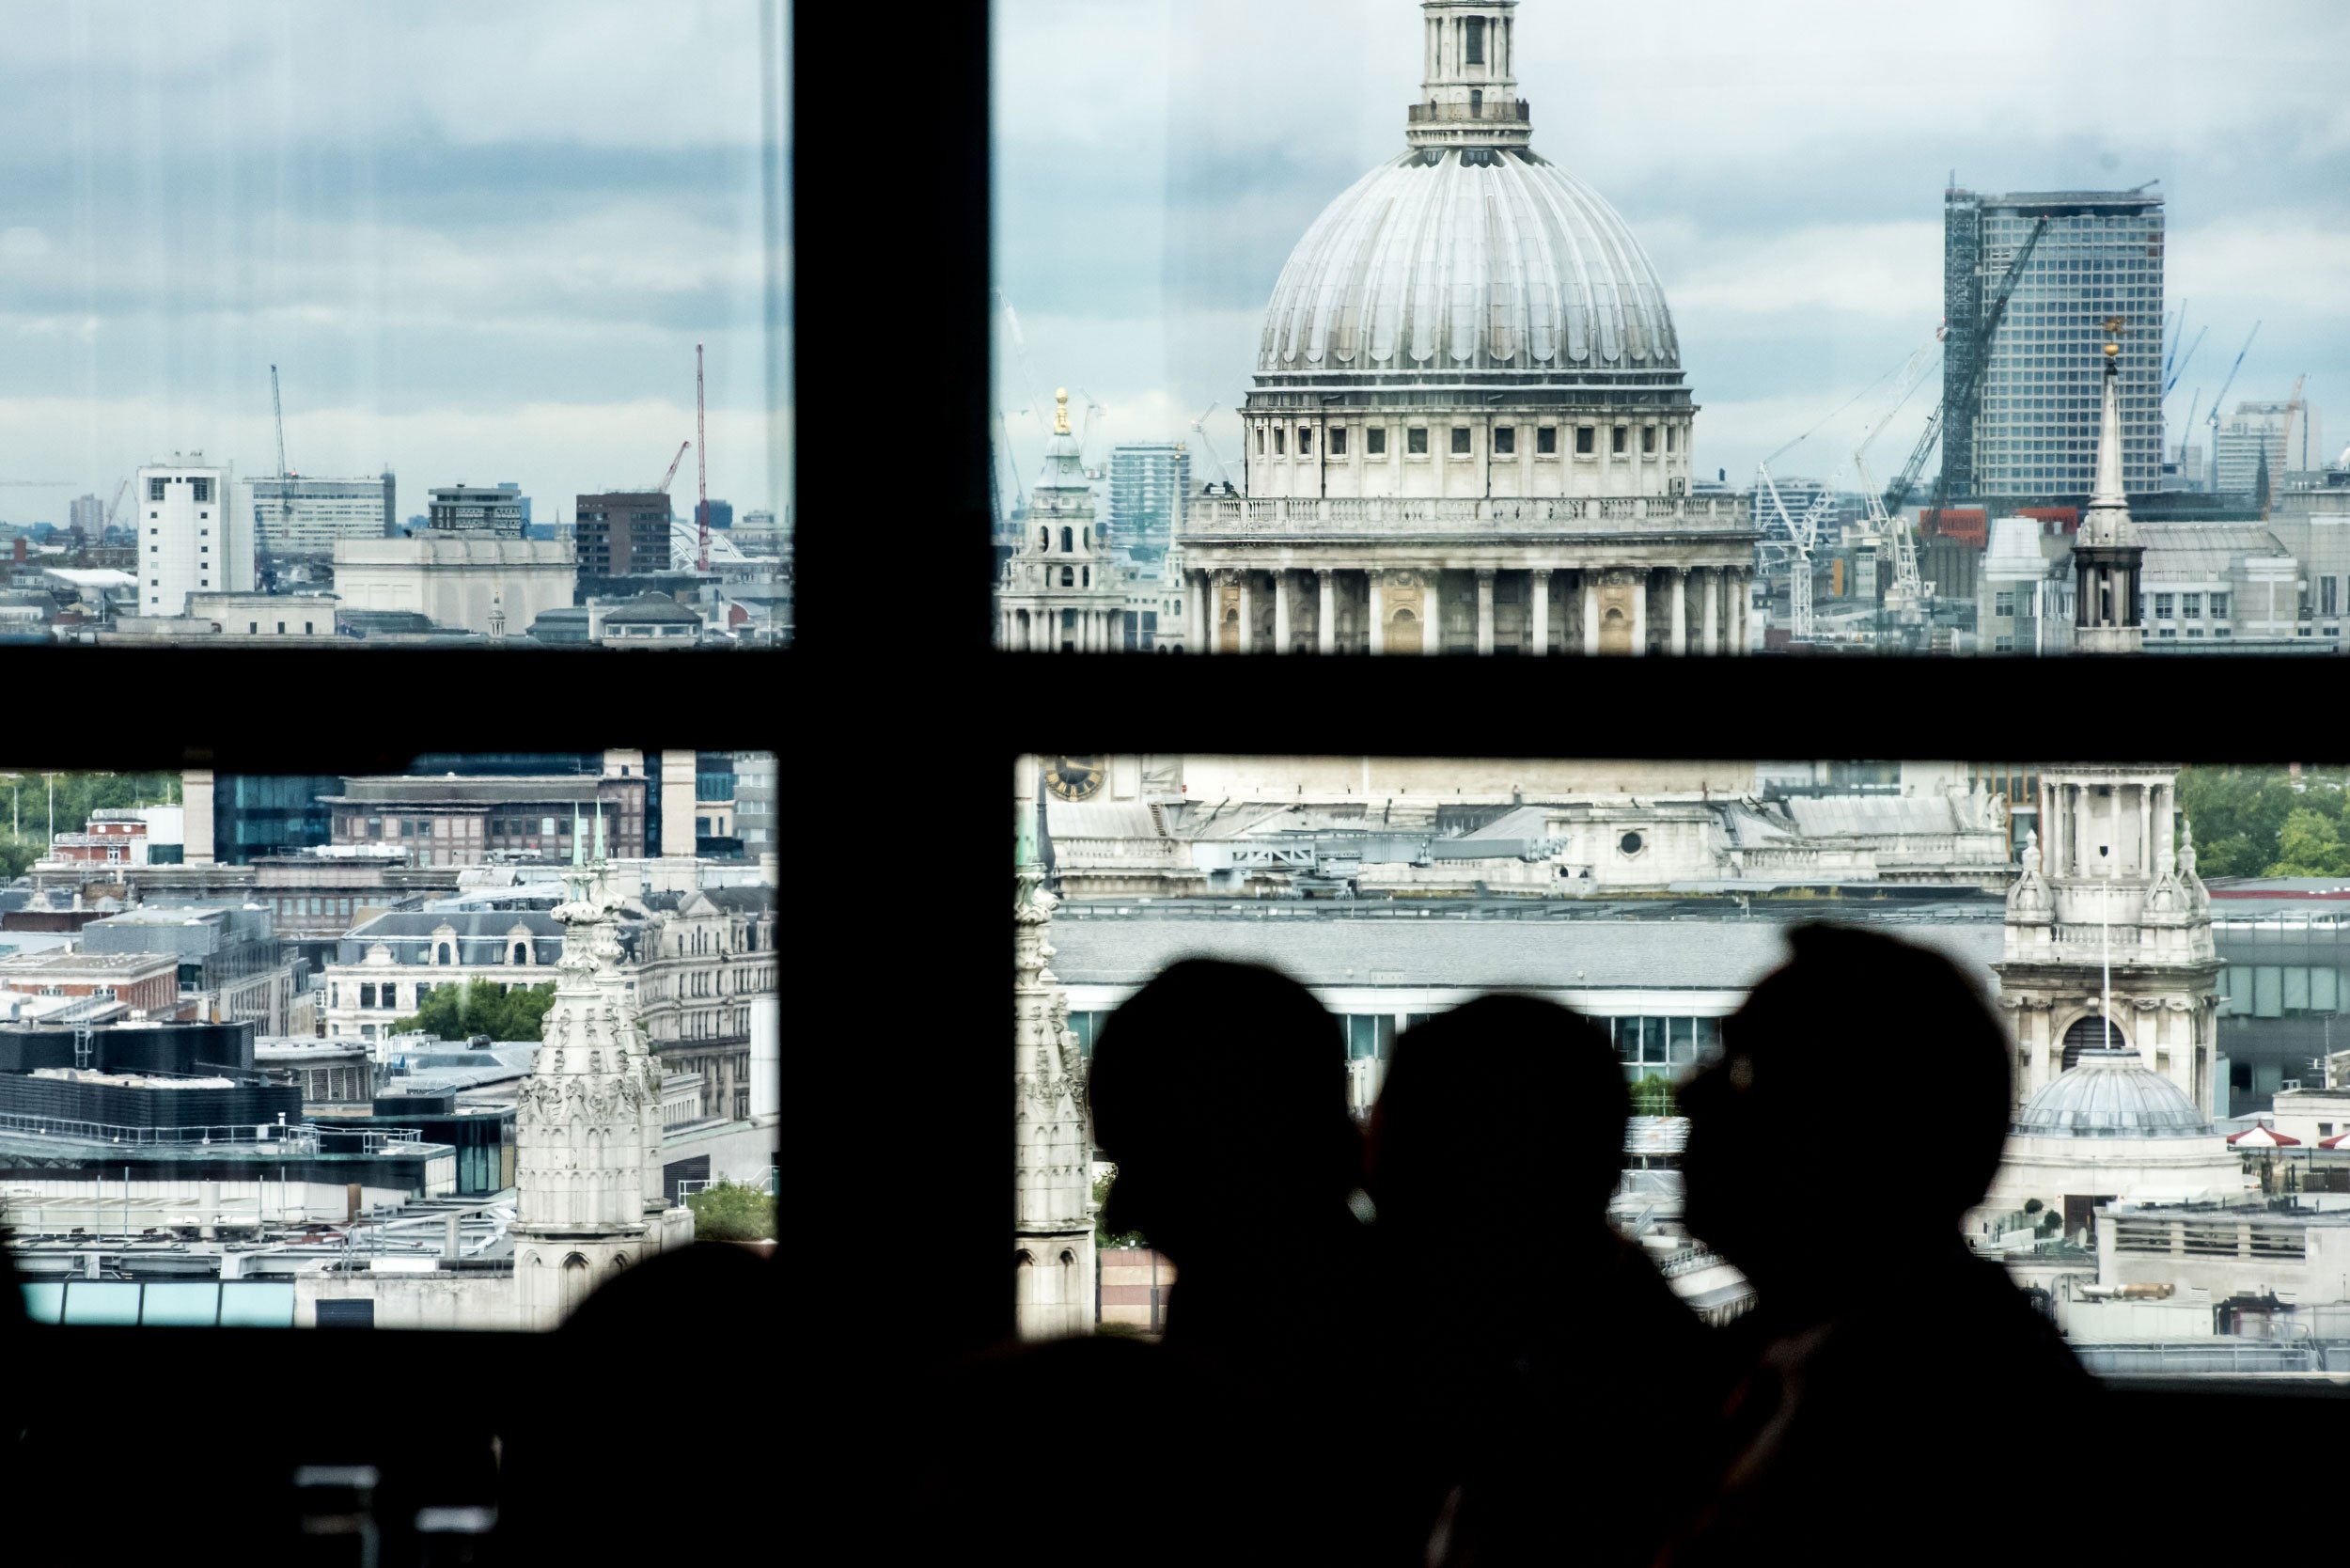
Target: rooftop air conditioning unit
(2289, 1085)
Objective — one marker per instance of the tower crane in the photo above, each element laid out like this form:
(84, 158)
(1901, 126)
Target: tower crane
(663, 488)
(2170, 377)
(1897, 493)
(285, 491)
(115, 510)
(2221, 397)
(1093, 406)
(1802, 537)
(701, 468)
(2192, 405)
(1200, 428)
(1910, 593)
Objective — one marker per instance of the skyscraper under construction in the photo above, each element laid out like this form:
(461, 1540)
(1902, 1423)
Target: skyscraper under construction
(2028, 434)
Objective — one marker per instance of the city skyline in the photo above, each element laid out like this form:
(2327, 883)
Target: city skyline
(1792, 202)
(469, 264)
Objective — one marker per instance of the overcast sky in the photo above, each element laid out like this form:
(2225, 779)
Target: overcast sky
(1783, 165)
(479, 238)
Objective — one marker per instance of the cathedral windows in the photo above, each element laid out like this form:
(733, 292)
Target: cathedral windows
(1068, 577)
(1618, 442)
(1261, 440)
(1375, 440)
(1416, 441)
(1474, 41)
(1505, 440)
(1278, 451)
(1337, 448)
(1584, 440)
(1546, 440)
(1647, 440)
(1305, 441)
(1459, 441)
(1068, 538)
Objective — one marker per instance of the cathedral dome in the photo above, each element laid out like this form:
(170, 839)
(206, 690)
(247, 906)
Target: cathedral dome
(2111, 1094)
(1452, 259)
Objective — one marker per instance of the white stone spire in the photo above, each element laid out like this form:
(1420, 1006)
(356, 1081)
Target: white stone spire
(2108, 559)
(579, 1153)
(1053, 1239)
(1468, 90)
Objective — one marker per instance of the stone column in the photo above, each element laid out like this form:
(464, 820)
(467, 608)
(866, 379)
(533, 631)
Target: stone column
(1378, 643)
(1639, 611)
(2166, 828)
(1741, 606)
(1591, 610)
(1541, 590)
(1325, 613)
(1710, 595)
(2146, 830)
(1280, 612)
(1485, 610)
(1196, 604)
(1681, 609)
(1248, 616)
(1432, 606)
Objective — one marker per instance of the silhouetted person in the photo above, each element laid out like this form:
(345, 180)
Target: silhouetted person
(1856, 1112)
(1539, 1364)
(1220, 1092)
(586, 1462)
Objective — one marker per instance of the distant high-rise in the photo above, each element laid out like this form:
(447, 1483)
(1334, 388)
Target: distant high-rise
(622, 532)
(303, 516)
(192, 537)
(2029, 431)
(722, 514)
(1147, 482)
(2287, 434)
(88, 513)
(478, 509)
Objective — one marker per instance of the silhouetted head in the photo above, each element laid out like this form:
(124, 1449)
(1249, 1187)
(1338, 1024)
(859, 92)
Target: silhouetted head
(1502, 1107)
(1863, 1064)
(1219, 1090)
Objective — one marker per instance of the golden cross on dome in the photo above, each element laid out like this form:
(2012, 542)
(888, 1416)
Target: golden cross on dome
(2113, 335)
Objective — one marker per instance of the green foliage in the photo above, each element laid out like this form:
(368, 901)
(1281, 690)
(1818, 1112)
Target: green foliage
(726, 1212)
(2034, 1206)
(16, 855)
(1101, 1201)
(26, 798)
(1652, 1096)
(480, 1007)
(2240, 816)
(2310, 845)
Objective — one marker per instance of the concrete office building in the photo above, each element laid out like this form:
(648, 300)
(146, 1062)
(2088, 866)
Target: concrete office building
(300, 515)
(191, 535)
(2285, 435)
(2029, 431)
(464, 508)
(88, 513)
(620, 532)
(479, 581)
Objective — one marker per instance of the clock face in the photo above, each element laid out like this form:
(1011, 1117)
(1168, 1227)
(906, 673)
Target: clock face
(1075, 777)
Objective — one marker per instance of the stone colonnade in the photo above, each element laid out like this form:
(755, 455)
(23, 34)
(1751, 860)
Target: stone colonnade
(1095, 631)
(1605, 609)
(2065, 816)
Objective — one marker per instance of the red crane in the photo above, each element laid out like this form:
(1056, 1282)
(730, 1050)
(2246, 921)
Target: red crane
(663, 488)
(701, 464)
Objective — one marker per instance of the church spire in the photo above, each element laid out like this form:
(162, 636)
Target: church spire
(2108, 559)
(1468, 90)
(1053, 1228)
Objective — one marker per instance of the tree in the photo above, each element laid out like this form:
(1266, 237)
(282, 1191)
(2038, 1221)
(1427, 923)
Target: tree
(16, 855)
(725, 1211)
(480, 1006)
(2034, 1206)
(1652, 1096)
(1101, 1201)
(2228, 805)
(2310, 845)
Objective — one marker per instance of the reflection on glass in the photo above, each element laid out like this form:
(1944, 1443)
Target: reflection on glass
(446, 334)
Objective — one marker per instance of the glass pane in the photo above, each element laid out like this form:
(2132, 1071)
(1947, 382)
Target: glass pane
(2324, 989)
(101, 1301)
(285, 461)
(256, 1304)
(2297, 988)
(2267, 990)
(181, 1302)
(44, 1300)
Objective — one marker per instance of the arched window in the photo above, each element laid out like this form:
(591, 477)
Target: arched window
(1068, 577)
(1085, 577)
(445, 953)
(1066, 536)
(1088, 538)
(522, 952)
(574, 1282)
(2088, 1033)
(1044, 539)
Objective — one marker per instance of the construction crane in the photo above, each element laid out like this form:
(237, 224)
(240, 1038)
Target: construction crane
(701, 468)
(1093, 406)
(2170, 377)
(2221, 397)
(1910, 593)
(1802, 536)
(115, 510)
(1200, 428)
(663, 488)
(1897, 493)
(285, 491)
(2192, 405)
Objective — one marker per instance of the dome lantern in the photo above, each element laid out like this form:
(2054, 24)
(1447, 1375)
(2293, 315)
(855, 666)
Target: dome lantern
(1469, 92)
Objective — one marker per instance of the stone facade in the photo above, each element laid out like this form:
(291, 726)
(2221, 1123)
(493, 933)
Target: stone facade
(473, 582)
(1052, 1263)
(1063, 590)
(2115, 897)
